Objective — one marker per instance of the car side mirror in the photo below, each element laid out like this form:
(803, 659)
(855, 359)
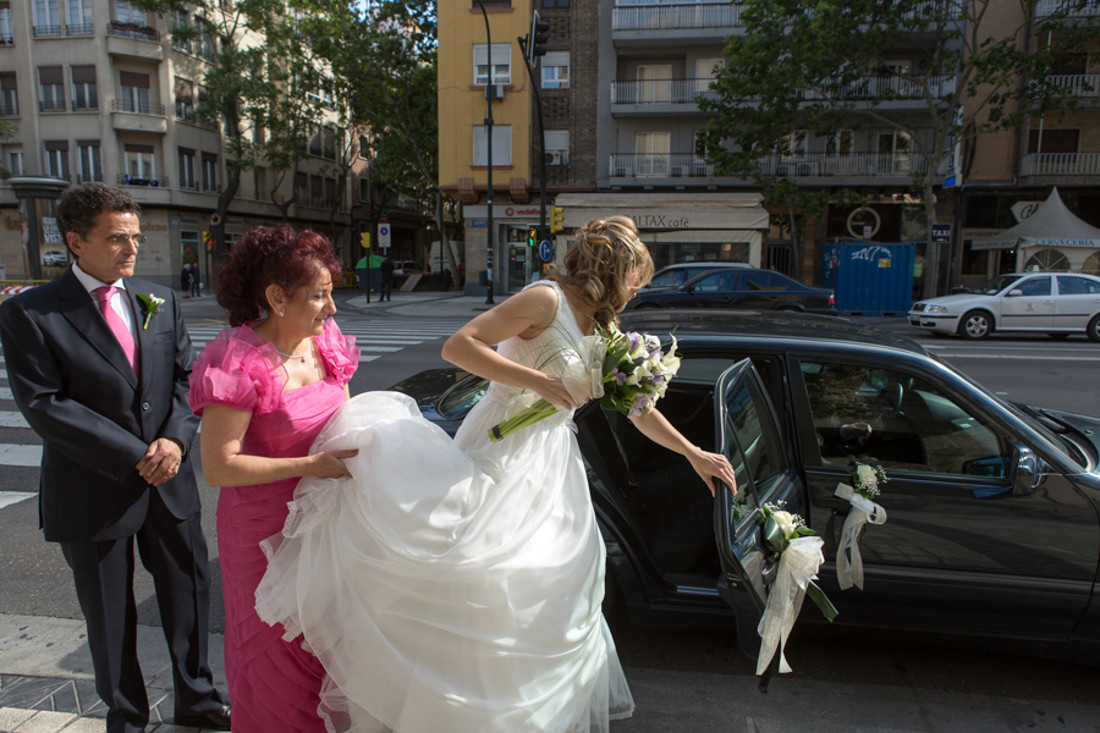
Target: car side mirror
(1025, 470)
(1015, 293)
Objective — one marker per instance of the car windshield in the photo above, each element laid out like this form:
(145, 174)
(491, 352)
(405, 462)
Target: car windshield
(996, 285)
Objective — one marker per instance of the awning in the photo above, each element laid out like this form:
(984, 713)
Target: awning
(1052, 225)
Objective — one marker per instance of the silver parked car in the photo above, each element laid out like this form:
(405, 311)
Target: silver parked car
(1055, 303)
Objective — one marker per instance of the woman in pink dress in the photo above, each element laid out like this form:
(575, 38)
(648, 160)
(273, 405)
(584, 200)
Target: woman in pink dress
(264, 389)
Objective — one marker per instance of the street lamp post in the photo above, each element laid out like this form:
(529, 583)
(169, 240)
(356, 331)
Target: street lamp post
(489, 94)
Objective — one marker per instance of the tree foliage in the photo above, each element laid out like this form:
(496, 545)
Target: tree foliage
(825, 66)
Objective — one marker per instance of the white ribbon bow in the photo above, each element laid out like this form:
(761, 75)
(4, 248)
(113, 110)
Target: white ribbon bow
(798, 565)
(863, 511)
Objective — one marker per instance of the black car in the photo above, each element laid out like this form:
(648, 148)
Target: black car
(673, 276)
(993, 508)
(740, 288)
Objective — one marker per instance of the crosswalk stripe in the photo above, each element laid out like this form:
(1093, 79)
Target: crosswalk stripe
(7, 498)
(12, 420)
(20, 455)
(5, 393)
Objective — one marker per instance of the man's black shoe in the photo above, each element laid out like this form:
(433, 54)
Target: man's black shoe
(213, 720)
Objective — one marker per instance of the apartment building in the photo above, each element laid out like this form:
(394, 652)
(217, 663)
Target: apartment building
(623, 137)
(98, 91)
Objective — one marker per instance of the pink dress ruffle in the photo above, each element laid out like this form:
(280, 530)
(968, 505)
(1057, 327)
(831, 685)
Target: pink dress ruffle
(274, 685)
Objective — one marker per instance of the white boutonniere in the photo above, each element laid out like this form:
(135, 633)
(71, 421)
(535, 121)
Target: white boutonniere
(151, 304)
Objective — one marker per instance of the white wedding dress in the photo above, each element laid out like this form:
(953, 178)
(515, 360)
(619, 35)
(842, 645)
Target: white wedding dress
(454, 585)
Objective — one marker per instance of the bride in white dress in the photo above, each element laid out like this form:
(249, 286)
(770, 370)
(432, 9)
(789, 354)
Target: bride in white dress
(456, 585)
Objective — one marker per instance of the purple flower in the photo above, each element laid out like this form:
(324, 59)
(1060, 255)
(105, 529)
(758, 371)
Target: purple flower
(632, 340)
(620, 377)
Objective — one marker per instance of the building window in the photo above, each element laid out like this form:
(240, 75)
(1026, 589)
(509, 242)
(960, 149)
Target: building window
(128, 14)
(842, 142)
(705, 71)
(502, 64)
(9, 95)
(557, 147)
(140, 165)
(15, 162)
(91, 169)
(46, 18)
(180, 21)
(204, 41)
(651, 153)
(85, 94)
(555, 4)
(209, 172)
(57, 158)
(502, 146)
(555, 70)
(188, 182)
(317, 191)
(654, 83)
(301, 188)
(6, 38)
(135, 92)
(51, 89)
(185, 99)
(259, 183)
(364, 190)
(796, 144)
(78, 17)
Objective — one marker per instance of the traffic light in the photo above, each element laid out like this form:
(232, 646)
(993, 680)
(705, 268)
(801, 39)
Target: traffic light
(536, 39)
(208, 240)
(557, 214)
(532, 238)
(364, 239)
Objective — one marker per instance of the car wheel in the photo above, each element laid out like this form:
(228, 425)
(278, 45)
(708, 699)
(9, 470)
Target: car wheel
(1093, 330)
(1058, 336)
(976, 325)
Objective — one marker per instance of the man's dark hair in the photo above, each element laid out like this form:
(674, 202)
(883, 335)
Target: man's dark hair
(80, 205)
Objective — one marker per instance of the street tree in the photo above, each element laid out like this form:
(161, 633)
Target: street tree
(826, 66)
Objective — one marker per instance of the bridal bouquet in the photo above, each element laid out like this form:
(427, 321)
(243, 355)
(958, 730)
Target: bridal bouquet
(634, 374)
(863, 511)
(798, 548)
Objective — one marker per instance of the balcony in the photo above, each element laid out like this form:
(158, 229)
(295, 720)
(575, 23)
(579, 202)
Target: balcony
(9, 109)
(138, 117)
(125, 179)
(7, 40)
(661, 93)
(51, 105)
(1047, 8)
(1083, 86)
(46, 31)
(888, 87)
(134, 41)
(80, 29)
(676, 17)
(822, 166)
(1060, 164)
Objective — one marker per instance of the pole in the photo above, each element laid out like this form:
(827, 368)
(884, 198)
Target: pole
(489, 93)
(542, 153)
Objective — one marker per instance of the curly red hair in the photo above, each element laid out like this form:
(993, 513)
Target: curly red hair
(270, 255)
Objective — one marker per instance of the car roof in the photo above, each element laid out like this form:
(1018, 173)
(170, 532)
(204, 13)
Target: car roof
(716, 265)
(788, 329)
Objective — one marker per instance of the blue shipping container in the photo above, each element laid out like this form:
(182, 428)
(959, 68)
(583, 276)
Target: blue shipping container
(869, 278)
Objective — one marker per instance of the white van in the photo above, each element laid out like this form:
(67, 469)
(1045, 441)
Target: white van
(435, 257)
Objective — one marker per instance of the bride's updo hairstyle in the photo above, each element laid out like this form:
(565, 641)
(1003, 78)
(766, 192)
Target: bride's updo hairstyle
(600, 266)
(270, 255)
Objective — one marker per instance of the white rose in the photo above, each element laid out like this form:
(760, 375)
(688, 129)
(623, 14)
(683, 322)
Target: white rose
(866, 476)
(786, 522)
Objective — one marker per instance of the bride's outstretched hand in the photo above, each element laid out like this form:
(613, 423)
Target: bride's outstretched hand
(712, 466)
(330, 464)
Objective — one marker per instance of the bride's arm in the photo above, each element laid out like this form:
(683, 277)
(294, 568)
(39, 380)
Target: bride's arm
(223, 463)
(709, 466)
(525, 314)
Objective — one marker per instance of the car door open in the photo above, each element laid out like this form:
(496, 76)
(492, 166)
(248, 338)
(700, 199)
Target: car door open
(748, 434)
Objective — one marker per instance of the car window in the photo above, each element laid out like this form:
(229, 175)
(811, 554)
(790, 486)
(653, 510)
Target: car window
(898, 420)
(669, 279)
(1034, 286)
(714, 282)
(763, 280)
(759, 456)
(1073, 285)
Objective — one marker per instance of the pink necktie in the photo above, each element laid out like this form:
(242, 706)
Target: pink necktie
(118, 326)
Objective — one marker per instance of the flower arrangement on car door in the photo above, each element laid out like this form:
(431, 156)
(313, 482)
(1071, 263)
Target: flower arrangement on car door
(862, 511)
(798, 548)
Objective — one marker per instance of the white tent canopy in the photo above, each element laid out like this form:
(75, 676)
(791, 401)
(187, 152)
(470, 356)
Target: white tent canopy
(1053, 225)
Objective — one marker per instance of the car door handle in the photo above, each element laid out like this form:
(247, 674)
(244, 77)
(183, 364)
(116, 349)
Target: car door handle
(838, 505)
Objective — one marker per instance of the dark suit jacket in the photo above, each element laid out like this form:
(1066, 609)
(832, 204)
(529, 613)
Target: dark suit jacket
(73, 384)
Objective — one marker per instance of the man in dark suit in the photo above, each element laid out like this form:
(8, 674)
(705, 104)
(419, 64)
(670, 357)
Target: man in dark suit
(387, 280)
(98, 363)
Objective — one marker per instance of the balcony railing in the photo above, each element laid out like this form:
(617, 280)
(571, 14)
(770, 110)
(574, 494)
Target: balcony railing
(9, 109)
(80, 29)
(672, 17)
(46, 31)
(141, 108)
(85, 105)
(125, 179)
(1060, 164)
(1047, 8)
(6, 40)
(88, 177)
(1078, 85)
(51, 105)
(663, 91)
(890, 86)
(809, 165)
(132, 30)
(189, 185)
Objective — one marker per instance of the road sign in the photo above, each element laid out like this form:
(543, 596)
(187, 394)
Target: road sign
(384, 234)
(941, 232)
(546, 250)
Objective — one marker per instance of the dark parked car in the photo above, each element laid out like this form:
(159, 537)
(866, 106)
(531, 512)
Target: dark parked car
(676, 275)
(740, 288)
(993, 526)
